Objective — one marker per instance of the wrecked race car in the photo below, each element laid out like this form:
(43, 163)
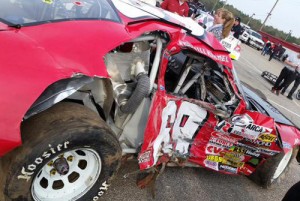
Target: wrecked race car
(85, 82)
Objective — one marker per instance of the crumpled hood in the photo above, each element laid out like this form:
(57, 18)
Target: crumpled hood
(137, 11)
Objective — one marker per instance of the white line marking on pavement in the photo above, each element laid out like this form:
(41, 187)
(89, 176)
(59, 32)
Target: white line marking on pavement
(285, 108)
(250, 64)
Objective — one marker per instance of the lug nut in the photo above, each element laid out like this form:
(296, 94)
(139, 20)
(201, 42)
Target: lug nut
(50, 163)
(70, 158)
(52, 172)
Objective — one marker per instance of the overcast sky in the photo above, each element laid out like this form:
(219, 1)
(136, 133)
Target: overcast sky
(285, 16)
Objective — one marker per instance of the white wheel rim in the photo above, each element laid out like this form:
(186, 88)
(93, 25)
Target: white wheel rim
(84, 169)
(282, 165)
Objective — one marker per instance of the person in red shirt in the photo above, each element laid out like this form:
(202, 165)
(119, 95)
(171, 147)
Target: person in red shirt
(179, 7)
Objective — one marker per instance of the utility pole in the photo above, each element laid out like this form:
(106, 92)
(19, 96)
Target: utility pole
(290, 32)
(214, 6)
(224, 4)
(268, 15)
(250, 18)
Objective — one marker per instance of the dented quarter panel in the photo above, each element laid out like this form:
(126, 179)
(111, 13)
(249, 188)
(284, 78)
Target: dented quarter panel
(184, 130)
(289, 135)
(43, 59)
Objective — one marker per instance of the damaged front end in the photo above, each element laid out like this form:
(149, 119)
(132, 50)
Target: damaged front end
(178, 102)
(199, 117)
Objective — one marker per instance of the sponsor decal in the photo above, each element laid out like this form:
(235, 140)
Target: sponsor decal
(211, 164)
(246, 170)
(161, 88)
(222, 160)
(48, 1)
(236, 164)
(101, 191)
(144, 157)
(228, 168)
(250, 148)
(254, 161)
(28, 171)
(217, 159)
(238, 149)
(233, 157)
(220, 142)
(250, 153)
(251, 131)
(78, 3)
(257, 128)
(265, 137)
(225, 137)
(213, 150)
(269, 152)
(241, 120)
(286, 145)
(244, 151)
(258, 142)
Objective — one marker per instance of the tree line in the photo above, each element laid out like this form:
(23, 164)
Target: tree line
(254, 23)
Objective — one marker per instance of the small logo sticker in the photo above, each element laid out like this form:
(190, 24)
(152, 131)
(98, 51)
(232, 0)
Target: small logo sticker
(48, 1)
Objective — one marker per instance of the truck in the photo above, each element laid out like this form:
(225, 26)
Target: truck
(252, 38)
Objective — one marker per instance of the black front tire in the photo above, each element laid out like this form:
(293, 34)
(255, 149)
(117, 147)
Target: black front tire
(248, 42)
(298, 95)
(64, 128)
(264, 175)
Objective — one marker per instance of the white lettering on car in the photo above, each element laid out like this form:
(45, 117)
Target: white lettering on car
(26, 173)
(206, 52)
(101, 191)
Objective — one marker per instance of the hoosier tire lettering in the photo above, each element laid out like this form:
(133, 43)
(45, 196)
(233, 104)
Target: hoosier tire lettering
(27, 173)
(102, 190)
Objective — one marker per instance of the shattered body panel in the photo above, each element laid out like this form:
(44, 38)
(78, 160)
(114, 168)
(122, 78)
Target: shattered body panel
(198, 113)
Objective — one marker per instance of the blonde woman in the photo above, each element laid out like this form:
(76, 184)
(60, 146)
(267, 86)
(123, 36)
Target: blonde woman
(223, 22)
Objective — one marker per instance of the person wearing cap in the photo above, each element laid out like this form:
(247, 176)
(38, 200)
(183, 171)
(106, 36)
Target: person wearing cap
(179, 7)
(237, 28)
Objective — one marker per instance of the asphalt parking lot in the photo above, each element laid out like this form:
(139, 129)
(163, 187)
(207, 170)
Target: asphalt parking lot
(250, 66)
(202, 184)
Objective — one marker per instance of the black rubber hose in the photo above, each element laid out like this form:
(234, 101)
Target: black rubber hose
(140, 92)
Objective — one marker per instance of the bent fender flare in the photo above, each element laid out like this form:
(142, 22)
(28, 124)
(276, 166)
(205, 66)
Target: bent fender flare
(57, 92)
(290, 136)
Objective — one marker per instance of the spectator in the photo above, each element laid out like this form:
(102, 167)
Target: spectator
(179, 7)
(223, 22)
(285, 57)
(287, 74)
(192, 8)
(293, 193)
(275, 51)
(237, 28)
(294, 88)
(266, 48)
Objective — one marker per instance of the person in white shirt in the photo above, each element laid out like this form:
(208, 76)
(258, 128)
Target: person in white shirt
(287, 74)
